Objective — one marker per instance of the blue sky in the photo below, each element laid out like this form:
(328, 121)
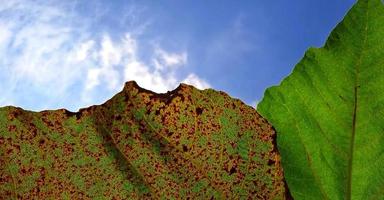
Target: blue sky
(73, 54)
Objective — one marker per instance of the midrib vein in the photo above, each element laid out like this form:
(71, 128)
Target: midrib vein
(354, 119)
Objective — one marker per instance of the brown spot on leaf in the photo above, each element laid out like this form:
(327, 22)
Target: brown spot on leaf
(199, 111)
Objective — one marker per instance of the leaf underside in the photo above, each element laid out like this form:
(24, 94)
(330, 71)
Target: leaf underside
(329, 112)
(141, 145)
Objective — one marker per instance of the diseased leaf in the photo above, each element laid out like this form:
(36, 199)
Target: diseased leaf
(141, 145)
(329, 113)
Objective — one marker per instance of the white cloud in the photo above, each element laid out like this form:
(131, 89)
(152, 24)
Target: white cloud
(146, 78)
(37, 54)
(4, 35)
(193, 79)
(92, 78)
(119, 61)
(109, 54)
(164, 60)
(83, 51)
(52, 53)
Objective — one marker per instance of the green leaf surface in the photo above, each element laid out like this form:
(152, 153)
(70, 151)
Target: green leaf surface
(183, 144)
(329, 112)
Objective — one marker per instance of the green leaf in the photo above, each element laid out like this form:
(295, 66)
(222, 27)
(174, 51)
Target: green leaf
(329, 112)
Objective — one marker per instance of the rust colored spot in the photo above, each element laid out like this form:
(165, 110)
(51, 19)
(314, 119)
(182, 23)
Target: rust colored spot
(199, 111)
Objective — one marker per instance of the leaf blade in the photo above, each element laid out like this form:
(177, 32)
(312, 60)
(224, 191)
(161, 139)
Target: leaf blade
(329, 98)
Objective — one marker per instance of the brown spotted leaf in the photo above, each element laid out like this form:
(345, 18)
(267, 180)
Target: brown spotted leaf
(141, 145)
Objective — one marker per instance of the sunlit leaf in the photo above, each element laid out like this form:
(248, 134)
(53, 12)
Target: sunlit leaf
(141, 145)
(329, 113)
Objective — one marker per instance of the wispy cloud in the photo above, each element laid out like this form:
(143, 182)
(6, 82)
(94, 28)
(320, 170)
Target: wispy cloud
(232, 43)
(53, 56)
(164, 59)
(118, 61)
(193, 79)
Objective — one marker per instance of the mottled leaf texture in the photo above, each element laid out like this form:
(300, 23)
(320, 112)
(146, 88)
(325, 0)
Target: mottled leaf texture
(141, 145)
(329, 112)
